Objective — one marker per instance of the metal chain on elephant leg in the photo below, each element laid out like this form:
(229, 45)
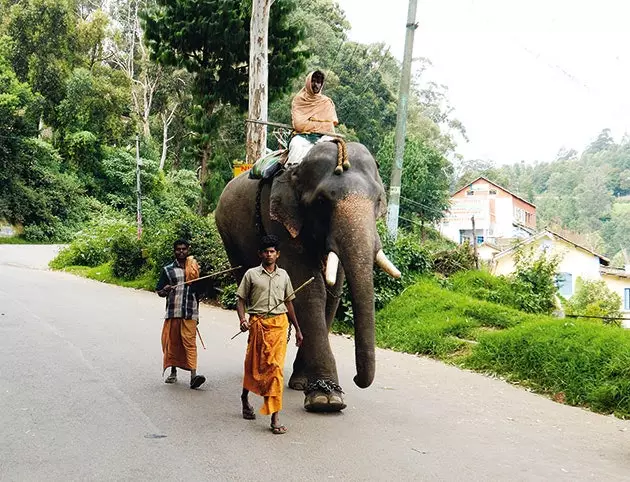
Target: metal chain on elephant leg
(326, 386)
(342, 156)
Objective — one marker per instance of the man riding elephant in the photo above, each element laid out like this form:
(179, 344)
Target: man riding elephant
(313, 115)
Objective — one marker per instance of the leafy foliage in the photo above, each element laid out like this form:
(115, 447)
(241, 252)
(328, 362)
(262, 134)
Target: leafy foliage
(127, 256)
(534, 281)
(450, 261)
(594, 298)
(425, 178)
(92, 245)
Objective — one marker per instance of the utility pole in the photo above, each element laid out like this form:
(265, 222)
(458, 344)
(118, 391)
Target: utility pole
(138, 188)
(258, 79)
(393, 208)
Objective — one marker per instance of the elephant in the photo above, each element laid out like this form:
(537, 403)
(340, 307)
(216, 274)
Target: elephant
(325, 217)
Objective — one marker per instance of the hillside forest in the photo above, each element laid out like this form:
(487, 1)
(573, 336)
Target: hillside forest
(86, 85)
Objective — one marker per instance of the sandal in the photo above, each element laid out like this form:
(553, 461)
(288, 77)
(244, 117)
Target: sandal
(197, 381)
(248, 413)
(278, 429)
(172, 378)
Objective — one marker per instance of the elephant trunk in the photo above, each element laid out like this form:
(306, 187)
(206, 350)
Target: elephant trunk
(354, 233)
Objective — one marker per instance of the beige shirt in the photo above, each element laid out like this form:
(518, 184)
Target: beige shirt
(262, 291)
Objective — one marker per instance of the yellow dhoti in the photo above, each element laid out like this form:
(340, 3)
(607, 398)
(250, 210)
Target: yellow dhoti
(179, 343)
(264, 361)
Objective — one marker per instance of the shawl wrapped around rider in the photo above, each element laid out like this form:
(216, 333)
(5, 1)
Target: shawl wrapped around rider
(313, 113)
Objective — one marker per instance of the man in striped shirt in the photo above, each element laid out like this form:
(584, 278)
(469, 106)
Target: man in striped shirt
(179, 333)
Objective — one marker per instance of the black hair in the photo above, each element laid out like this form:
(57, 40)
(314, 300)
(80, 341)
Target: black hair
(181, 241)
(269, 241)
(320, 74)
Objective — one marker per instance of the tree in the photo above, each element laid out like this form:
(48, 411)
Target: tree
(425, 179)
(44, 42)
(594, 298)
(210, 39)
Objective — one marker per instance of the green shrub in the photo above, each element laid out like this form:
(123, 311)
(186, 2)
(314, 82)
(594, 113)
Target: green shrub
(588, 363)
(228, 296)
(205, 245)
(92, 245)
(531, 288)
(407, 253)
(450, 261)
(534, 281)
(594, 298)
(127, 258)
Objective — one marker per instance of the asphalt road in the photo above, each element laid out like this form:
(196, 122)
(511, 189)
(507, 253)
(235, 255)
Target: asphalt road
(82, 398)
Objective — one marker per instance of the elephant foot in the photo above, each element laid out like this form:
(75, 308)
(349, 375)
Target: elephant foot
(323, 396)
(298, 382)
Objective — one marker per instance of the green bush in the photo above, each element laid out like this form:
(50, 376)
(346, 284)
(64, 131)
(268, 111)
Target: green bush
(594, 298)
(228, 296)
(92, 245)
(127, 258)
(205, 245)
(531, 288)
(408, 255)
(587, 363)
(450, 261)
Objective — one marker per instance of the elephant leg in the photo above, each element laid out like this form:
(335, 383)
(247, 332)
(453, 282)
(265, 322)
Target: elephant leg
(315, 359)
(333, 297)
(299, 378)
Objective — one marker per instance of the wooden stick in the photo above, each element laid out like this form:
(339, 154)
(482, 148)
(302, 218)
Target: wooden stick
(207, 276)
(201, 339)
(283, 301)
(287, 126)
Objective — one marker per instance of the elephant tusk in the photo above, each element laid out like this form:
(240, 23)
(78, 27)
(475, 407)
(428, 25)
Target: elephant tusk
(386, 265)
(332, 263)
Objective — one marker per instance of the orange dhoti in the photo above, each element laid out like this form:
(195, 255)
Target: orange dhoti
(179, 343)
(264, 361)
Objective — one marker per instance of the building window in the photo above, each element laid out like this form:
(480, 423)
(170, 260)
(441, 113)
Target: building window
(479, 239)
(564, 283)
(626, 299)
(470, 193)
(492, 192)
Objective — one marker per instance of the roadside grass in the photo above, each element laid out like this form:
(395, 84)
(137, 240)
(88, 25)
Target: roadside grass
(430, 320)
(14, 240)
(576, 362)
(104, 274)
(579, 363)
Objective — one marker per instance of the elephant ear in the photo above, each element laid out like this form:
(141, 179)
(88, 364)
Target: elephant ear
(283, 203)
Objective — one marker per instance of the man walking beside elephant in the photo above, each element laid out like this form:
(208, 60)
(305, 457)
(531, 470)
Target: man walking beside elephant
(261, 293)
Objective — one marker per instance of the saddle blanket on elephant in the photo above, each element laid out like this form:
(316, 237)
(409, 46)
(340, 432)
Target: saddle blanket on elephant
(267, 166)
(179, 343)
(301, 144)
(264, 361)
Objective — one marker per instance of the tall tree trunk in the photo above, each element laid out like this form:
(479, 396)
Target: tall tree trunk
(258, 76)
(203, 177)
(166, 122)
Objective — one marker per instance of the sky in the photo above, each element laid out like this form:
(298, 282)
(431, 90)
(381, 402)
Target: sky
(525, 78)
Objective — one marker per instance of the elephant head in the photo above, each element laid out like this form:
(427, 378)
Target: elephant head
(334, 217)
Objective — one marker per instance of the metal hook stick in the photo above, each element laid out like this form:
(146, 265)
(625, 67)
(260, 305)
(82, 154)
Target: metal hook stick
(283, 301)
